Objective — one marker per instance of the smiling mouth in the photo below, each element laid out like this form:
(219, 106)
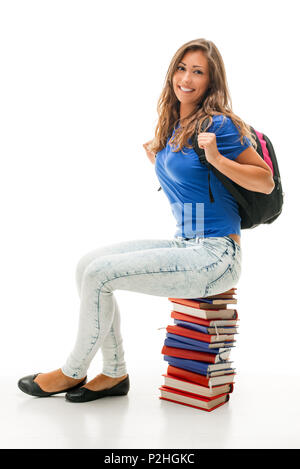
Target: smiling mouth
(183, 91)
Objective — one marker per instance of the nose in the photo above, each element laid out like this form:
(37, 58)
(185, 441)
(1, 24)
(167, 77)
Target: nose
(186, 79)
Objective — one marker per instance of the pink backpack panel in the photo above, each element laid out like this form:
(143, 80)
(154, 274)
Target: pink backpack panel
(265, 150)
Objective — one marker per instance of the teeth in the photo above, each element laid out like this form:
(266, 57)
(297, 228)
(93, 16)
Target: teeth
(185, 89)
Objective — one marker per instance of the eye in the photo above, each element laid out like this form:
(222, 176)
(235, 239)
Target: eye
(180, 66)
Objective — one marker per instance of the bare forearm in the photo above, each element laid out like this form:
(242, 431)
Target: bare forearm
(253, 178)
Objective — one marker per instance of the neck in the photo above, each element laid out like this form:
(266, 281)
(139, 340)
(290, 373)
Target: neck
(185, 110)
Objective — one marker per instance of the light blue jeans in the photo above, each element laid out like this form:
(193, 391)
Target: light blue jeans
(176, 268)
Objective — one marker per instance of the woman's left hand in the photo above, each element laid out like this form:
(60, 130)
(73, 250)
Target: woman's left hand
(208, 141)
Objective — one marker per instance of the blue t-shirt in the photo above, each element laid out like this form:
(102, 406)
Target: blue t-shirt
(184, 180)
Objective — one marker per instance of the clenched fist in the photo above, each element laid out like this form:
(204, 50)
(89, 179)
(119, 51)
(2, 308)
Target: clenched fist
(208, 141)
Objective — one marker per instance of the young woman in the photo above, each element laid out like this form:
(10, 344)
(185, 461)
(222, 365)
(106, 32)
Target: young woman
(196, 262)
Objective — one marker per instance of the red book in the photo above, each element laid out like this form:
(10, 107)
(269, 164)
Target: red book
(200, 379)
(195, 355)
(209, 338)
(192, 400)
(181, 384)
(202, 310)
(204, 322)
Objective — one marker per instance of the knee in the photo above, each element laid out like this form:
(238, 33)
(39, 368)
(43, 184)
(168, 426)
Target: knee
(80, 270)
(98, 275)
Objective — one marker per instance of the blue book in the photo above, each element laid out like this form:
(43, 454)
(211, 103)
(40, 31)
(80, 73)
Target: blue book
(178, 344)
(203, 300)
(191, 325)
(200, 328)
(215, 301)
(199, 367)
(203, 346)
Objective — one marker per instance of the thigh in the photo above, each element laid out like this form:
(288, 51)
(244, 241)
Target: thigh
(119, 248)
(167, 272)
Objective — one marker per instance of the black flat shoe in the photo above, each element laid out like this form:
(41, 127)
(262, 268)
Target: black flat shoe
(28, 386)
(85, 395)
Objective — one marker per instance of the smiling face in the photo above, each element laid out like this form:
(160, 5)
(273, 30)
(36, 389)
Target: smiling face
(192, 74)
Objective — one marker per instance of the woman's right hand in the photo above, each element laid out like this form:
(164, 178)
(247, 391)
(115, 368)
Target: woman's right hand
(150, 154)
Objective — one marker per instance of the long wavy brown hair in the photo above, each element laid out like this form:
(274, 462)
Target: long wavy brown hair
(216, 101)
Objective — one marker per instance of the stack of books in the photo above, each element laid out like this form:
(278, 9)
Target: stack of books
(197, 349)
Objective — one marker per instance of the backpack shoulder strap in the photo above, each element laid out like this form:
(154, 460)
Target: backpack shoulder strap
(230, 186)
(200, 152)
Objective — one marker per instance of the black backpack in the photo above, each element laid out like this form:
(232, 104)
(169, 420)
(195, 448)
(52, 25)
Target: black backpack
(255, 208)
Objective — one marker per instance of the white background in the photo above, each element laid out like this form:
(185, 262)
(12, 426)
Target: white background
(79, 86)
